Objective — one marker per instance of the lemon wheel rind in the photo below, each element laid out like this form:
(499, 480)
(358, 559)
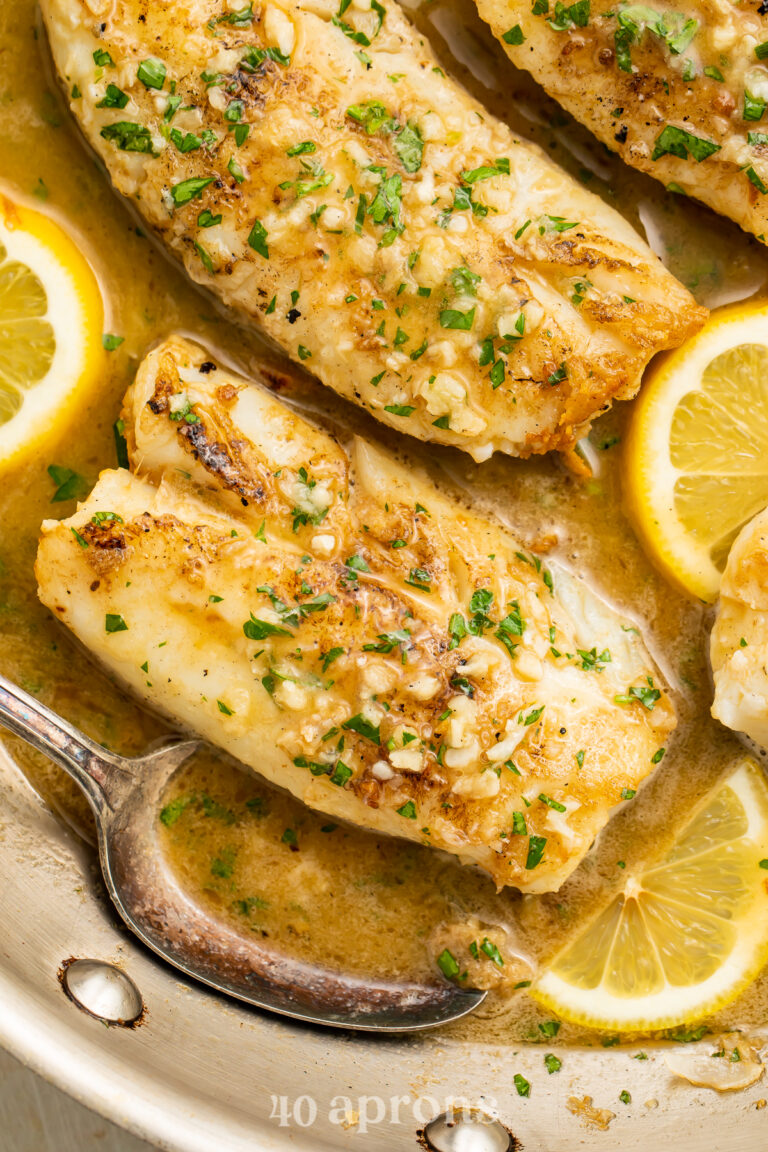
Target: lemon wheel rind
(675, 1004)
(650, 493)
(667, 1009)
(75, 312)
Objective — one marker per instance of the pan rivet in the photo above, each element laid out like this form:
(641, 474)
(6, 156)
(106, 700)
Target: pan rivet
(467, 1130)
(102, 990)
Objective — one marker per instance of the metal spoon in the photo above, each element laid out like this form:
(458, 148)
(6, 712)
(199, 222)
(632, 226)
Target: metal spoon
(126, 796)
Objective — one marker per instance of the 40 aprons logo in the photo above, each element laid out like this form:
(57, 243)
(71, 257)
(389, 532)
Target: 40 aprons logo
(365, 1112)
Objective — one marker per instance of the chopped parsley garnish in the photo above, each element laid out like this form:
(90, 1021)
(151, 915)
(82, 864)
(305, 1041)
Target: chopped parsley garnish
(238, 19)
(407, 144)
(355, 564)
(513, 35)
(114, 97)
(448, 964)
(756, 180)
(453, 318)
(409, 147)
(254, 57)
(305, 147)
(558, 375)
(673, 141)
(512, 625)
(207, 263)
(536, 845)
(224, 708)
(556, 224)
(256, 629)
(249, 905)
(486, 171)
(492, 952)
(113, 622)
(340, 774)
(419, 578)
(648, 697)
(673, 28)
(463, 281)
(257, 239)
(754, 107)
(185, 141)
(316, 767)
(522, 1085)
(331, 655)
(386, 207)
(314, 179)
(188, 190)
(69, 485)
(235, 170)
(121, 444)
(373, 116)
(408, 810)
(570, 16)
(388, 641)
(591, 661)
(152, 72)
(552, 1063)
(363, 727)
(400, 409)
(457, 630)
(173, 811)
(554, 804)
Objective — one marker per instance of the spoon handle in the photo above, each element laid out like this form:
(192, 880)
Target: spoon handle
(86, 762)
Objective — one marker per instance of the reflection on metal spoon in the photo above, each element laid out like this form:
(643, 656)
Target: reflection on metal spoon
(126, 796)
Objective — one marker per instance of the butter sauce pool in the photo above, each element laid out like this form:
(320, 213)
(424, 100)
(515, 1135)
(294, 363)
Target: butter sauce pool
(262, 861)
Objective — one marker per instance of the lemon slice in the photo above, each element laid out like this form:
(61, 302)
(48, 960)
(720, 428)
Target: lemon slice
(51, 318)
(685, 936)
(697, 452)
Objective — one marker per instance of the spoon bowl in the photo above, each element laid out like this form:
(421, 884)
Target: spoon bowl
(126, 797)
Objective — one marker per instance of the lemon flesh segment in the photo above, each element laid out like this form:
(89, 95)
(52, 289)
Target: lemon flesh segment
(697, 455)
(51, 320)
(685, 936)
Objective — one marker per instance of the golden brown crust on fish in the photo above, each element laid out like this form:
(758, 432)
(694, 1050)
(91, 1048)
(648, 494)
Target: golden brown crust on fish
(351, 633)
(321, 174)
(679, 93)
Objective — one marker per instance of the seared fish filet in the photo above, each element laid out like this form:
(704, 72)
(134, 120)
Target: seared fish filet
(680, 94)
(739, 641)
(317, 169)
(352, 634)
